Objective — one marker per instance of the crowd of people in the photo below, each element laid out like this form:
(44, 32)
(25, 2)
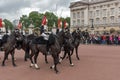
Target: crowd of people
(108, 39)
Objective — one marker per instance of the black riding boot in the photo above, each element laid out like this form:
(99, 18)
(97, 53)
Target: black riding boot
(47, 48)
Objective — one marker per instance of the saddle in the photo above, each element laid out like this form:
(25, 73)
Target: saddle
(39, 40)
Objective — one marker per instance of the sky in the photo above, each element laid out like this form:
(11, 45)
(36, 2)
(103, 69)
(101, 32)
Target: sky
(14, 9)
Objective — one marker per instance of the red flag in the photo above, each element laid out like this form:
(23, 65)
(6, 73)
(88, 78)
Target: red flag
(44, 20)
(19, 25)
(1, 23)
(65, 24)
(59, 23)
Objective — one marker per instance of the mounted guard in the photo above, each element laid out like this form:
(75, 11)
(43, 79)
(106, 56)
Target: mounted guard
(59, 26)
(43, 32)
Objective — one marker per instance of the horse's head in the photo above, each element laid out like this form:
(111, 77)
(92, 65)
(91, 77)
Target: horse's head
(77, 33)
(19, 38)
(67, 34)
(17, 34)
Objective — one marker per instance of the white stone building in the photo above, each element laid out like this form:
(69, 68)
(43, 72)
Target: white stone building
(105, 15)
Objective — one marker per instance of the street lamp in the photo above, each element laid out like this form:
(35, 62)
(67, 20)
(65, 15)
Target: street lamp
(92, 27)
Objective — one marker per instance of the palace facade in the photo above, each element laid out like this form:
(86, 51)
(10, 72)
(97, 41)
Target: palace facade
(98, 15)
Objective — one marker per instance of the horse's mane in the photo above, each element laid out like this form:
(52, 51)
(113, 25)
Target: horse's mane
(5, 38)
(12, 35)
(52, 38)
(39, 40)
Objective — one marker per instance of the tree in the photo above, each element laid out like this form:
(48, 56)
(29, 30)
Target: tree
(52, 18)
(8, 25)
(36, 18)
(25, 21)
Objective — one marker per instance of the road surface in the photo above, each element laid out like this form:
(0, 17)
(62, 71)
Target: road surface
(97, 62)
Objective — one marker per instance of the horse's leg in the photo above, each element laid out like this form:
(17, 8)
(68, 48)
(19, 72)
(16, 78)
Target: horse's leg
(25, 58)
(56, 61)
(71, 53)
(77, 53)
(27, 51)
(32, 63)
(13, 60)
(71, 64)
(5, 57)
(46, 59)
(35, 60)
(61, 58)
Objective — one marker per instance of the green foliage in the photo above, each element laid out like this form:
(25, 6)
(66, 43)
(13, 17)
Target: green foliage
(52, 18)
(8, 24)
(68, 20)
(25, 21)
(36, 19)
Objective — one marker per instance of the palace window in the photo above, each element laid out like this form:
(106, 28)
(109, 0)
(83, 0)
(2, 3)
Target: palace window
(91, 13)
(119, 19)
(74, 23)
(74, 15)
(97, 21)
(112, 19)
(82, 23)
(104, 20)
(78, 22)
(97, 12)
(112, 10)
(82, 14)
(78, 14)
(119, 10)
(104, 12)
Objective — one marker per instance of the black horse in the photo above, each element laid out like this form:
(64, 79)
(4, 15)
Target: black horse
(10, 45)
(77, 35)
(39, 46)
(69, 48)
(55, 43)
(25, 44)
(86, 36)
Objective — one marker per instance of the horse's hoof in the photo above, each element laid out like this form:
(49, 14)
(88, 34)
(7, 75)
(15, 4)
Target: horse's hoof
(57, 72)
(59, 62)
(37, 68)
(3, 65)
(31, 65)
(72, 65)
(51, 67)
(15, 59)
(25, 60)
(15, 65)
(78, 58)
(66, 57)
(46, 62)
